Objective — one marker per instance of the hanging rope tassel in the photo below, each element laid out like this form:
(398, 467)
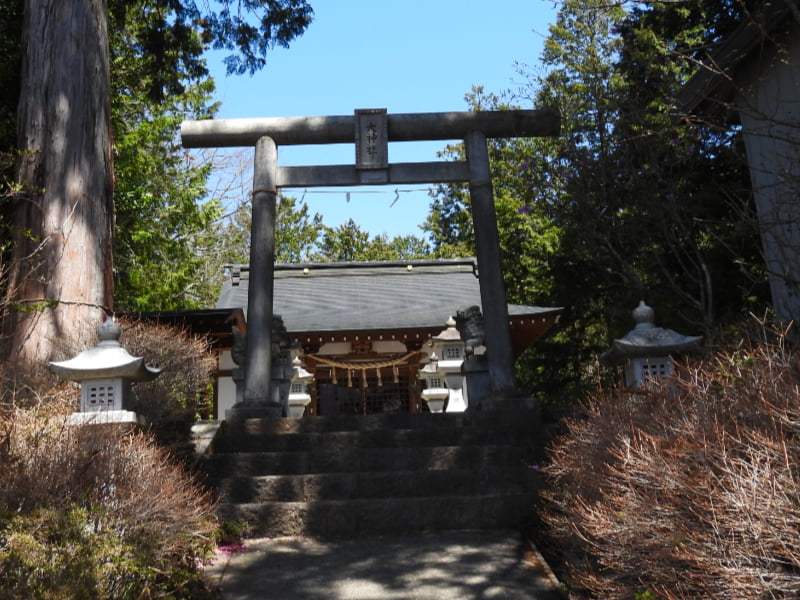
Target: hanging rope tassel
(333, 376)
(378, 373)
(349, 378)
(364, 378)
(396, 376)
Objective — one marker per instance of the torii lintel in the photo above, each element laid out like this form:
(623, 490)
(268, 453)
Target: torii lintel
(370, 130)
(287, 131)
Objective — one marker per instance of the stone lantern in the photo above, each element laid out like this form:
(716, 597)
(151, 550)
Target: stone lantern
(299, 398)
(105, 373)
(442, 373)
(646, 351)
(435, 393)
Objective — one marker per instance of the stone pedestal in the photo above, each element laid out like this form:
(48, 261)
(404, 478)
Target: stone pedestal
(256, 411)
(242, 410)
(477, 384)
(237, 375)
(276, 404)
(508, 400)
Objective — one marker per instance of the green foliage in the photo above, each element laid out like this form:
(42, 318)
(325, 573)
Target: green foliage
(10, 58)
(232, 533)
(296, 232)
(348, 242)
(170, 36)
(231, 28)
(49, 554)
(10, 26)
(72, 554)
(164, 228)
(344, 243)
(626, 203)
(527, 235)
(171, 241)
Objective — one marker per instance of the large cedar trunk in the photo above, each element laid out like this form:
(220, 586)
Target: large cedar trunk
(61, 280)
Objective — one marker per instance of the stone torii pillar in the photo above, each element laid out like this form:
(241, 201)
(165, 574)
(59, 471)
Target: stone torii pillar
(371, 130)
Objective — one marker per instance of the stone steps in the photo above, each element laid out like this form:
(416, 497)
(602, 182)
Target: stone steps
(376, 474)
(385, 516)
(343, 440)
(323, 460)
(381, 484)
(378, 421)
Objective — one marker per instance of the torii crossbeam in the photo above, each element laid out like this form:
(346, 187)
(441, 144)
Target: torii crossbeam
(371, 130)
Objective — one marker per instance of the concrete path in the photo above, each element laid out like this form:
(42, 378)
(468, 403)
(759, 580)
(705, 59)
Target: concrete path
(457, 565)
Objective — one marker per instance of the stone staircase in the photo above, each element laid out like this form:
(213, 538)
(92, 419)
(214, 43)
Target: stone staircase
(350, 476)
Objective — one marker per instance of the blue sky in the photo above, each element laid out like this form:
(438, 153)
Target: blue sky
(406, 56)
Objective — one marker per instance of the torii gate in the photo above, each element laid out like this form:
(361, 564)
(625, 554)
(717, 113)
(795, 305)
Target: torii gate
(371, 130)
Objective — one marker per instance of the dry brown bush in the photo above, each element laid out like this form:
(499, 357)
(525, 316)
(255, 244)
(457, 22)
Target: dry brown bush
(169, 404)
(46, 463)
(184, 386)
(118, 488)
(23, 385)
(684, 491)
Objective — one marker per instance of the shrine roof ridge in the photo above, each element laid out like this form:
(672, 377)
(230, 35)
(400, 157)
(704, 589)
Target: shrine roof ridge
(344, 268)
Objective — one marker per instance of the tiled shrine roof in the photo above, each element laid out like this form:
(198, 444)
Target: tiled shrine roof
(373, 296)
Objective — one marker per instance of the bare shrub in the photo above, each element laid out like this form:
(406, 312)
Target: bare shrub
(687, 490)
(186, 363)
(123, 486)
(23, 385)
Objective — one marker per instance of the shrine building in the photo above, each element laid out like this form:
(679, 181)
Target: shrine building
(363, 337)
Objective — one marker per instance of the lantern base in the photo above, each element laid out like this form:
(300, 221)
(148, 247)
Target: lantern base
(105, 417)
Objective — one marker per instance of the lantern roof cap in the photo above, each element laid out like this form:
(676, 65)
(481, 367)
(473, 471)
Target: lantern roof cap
(430, 367)
(107, 360)
(646, 340)
(300, 373)
(644, 316)
(450, 334)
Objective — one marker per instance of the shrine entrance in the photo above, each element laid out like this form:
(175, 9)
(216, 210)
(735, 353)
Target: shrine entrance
(371, 130)
(363, 396)
(365, 386)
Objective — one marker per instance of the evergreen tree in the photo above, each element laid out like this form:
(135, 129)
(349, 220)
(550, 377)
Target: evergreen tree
(60, 278)
(645, 209)
(347, 243)
(297, 233)
(10, 57)
(626, 203)
(527, 235)
(162, 230)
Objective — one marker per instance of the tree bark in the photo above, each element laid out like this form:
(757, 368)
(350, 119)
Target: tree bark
(61, 279)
